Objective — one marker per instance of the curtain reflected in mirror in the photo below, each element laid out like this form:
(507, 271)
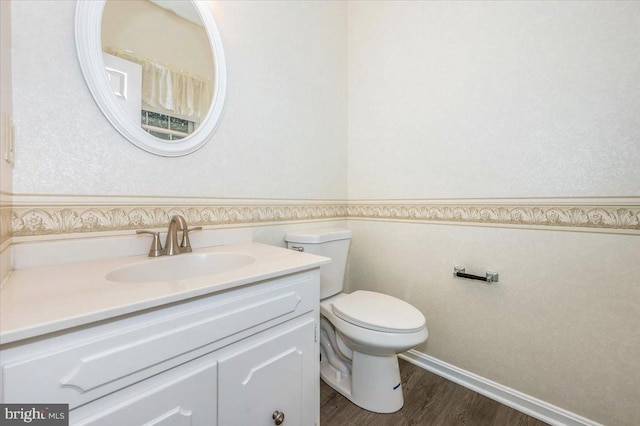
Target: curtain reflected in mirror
(159, 63)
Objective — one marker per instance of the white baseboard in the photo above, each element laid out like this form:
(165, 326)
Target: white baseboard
(510, 397)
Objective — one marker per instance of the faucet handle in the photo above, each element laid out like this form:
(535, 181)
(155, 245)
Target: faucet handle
(185, 245)
(156, 246)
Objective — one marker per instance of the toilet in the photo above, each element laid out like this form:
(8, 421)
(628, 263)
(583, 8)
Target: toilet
(361, 333)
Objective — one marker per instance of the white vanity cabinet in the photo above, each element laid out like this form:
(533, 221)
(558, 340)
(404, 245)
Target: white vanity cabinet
(230, 358)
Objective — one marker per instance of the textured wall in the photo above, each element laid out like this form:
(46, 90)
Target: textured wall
(453, 100)
(493, 99)
(560, 326)
(6, 169)
(5, 91)
(283, 134)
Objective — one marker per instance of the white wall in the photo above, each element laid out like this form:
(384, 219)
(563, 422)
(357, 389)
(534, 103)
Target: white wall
(283, 134)
(560, 326)
(504, 99)
(5, 92)
(493, 99)
(6, 175)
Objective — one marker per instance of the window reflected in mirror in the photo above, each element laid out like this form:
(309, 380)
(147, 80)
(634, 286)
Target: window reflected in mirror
(166, 127)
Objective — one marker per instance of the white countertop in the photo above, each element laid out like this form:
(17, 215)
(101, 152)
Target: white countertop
(42, 300)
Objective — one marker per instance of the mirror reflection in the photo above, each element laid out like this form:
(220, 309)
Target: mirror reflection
(159, 64)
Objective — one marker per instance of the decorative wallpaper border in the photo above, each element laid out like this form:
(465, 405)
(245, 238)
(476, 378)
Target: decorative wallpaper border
(108, 214)
(5, 224)
(80, 219)
(593, 218)
(6, 230)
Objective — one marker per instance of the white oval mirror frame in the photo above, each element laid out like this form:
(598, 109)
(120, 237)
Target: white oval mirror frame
(89, 47)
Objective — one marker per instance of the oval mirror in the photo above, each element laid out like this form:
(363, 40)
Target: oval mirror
(155, 68)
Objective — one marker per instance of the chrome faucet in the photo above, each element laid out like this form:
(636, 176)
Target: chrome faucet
(171, 246)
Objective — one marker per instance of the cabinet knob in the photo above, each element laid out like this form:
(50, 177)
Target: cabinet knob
(278, 417)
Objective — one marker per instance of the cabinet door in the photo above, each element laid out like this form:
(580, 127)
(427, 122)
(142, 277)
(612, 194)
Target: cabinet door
(188, 400)
(274, 374)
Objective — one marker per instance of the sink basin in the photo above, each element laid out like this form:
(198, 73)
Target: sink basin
(179, 267)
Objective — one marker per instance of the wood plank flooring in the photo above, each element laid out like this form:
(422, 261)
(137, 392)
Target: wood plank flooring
(429, 400)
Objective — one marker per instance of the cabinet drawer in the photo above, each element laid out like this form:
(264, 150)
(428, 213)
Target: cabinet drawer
(107, 358)
(189, 400)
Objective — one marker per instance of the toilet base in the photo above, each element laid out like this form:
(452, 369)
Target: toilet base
(374, 384)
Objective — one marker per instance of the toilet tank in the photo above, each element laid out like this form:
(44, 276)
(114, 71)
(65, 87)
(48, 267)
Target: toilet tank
(329, 242)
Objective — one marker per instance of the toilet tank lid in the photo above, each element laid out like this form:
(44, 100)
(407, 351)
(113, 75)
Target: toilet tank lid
(317, 236)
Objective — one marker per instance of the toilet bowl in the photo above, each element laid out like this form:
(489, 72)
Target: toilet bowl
(360, 333)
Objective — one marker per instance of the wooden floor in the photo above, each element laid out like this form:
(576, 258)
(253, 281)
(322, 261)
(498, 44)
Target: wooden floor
(428, 400)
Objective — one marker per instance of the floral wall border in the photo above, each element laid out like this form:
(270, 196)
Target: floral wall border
(6, 231)
(32, 219)
(595, 218)
(37, 221)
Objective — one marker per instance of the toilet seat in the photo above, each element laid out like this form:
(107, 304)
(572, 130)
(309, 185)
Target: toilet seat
(378, 312)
